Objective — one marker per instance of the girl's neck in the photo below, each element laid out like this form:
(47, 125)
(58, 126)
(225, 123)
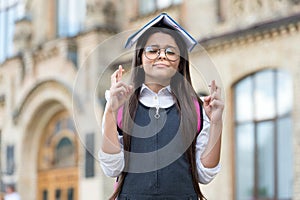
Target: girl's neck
(155, 87)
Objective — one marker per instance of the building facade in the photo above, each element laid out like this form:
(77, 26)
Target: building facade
(55, 61)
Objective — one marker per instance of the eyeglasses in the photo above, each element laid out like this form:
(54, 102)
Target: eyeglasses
(152, 53)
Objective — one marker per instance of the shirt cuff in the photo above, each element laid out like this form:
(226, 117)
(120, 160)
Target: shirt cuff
(111, 164)
(107, 95)
(206, 175)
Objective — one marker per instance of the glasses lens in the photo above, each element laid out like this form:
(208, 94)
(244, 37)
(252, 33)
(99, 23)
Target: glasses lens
(151, 52)
(172, 54)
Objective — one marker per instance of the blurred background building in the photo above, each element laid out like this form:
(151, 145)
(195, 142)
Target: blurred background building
(252, 45)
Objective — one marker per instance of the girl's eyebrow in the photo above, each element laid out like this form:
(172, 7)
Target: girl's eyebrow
(167, 46)
(152, 45)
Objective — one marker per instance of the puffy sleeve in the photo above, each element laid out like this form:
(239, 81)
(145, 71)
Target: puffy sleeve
(205, 175)
(111, 164)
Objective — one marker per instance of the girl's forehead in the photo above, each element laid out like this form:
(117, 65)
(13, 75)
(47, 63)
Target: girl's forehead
(161, 39)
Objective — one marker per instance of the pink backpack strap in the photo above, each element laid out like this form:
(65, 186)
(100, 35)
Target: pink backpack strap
(120, 116)
(198, 111)
(116, 183)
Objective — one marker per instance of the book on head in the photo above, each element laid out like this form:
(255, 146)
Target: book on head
(164, 21)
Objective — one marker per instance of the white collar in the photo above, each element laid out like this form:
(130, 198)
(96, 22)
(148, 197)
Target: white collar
(162, 99)
(145, 87)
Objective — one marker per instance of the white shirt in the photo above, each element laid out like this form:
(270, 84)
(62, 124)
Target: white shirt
(12, 196)
(113, 164)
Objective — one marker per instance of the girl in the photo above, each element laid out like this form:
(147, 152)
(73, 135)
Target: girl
(162, 117)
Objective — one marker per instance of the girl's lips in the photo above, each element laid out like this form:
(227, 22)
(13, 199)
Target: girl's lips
(160, 65)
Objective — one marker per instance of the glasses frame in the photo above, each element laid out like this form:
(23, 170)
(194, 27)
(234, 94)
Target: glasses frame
(159, 51)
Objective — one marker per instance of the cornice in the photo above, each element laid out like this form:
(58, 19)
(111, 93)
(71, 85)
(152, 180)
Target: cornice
(256, 33)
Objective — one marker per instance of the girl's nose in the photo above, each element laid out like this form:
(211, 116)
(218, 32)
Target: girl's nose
(162, 54)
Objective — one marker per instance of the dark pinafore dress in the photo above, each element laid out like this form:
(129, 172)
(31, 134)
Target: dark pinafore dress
(170, 177)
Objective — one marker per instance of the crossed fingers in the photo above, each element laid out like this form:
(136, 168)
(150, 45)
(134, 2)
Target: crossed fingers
(118, 87)
(117, 75)
(215, 95)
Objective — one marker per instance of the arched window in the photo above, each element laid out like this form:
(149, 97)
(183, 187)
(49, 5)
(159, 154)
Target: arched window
(263, 136)
(64, 153)
(10, 11)
(70, 17)
(148, 6)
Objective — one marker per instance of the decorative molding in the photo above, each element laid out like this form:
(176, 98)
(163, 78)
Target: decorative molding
(93, 8)
(109, 11)
(256, 33)
(255, 7)
(42, 86)
(42, 54)
(101, 15)
(22, 34)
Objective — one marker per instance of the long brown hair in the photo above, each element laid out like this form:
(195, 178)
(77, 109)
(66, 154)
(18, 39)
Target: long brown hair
(183, 93)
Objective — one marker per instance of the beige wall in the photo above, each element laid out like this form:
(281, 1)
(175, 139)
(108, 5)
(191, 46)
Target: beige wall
(235, 63)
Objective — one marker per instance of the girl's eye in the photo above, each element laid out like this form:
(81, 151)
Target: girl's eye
(170, 51)
(151, 50)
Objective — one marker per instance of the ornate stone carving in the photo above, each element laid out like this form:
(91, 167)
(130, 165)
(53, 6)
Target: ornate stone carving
(238, 7)
(94, 14)
(247, 37)
(23, 34)
(93, 7)
(259, 10)
(109, 11)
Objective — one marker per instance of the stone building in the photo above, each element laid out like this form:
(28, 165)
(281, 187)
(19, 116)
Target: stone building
(56, 55)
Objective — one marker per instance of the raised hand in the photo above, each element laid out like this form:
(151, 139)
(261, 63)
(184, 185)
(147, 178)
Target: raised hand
(213, 104)
(119, 91)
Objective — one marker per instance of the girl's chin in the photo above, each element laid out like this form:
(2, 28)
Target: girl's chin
(166, 71)
(159, 79)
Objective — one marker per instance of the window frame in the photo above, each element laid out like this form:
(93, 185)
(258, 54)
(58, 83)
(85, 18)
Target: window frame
(255, 123)
(156, 6)
(69, 29)
(9, 14)
(89, 155)
(59, 147)
(10, 159)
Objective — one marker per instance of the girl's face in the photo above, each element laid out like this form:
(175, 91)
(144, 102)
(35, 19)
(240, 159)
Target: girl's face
(160, 59)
